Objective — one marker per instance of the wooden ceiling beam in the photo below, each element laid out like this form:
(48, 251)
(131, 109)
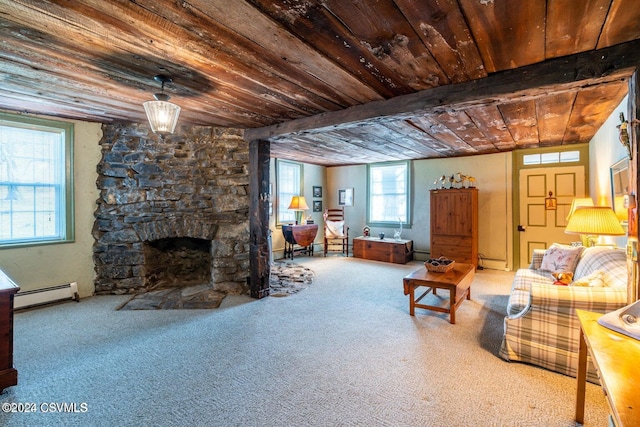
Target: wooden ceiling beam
(554, 76)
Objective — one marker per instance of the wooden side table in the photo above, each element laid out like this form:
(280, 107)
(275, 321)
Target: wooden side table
(457, 281)
(8, 374)
(302, 235)
(615, 357)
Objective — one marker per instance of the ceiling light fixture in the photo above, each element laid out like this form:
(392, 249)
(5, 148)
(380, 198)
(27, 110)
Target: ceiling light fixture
(162, 114)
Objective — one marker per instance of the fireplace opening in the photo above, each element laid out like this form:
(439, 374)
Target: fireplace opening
(177, 262)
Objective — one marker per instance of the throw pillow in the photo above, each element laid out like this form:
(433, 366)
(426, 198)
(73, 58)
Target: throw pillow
(562, 278)
(334, 229)
(594, 280)
(561, 258)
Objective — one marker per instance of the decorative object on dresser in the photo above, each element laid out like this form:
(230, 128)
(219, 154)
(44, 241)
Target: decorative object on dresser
(381, 249)
(336, 233)
(301, 235)
(454, 224)
(8, 373)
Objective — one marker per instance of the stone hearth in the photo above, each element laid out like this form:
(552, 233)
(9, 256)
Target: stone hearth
(287, 278)
(191, 297)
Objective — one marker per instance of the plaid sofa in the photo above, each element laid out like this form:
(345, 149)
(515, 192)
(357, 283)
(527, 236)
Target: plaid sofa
(541, 327)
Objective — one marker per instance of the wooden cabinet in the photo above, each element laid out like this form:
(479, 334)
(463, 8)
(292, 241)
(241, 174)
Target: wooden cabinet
(454, 224)
(8, 374)
(387, 250)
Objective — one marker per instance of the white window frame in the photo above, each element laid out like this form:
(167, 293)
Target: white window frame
(375, 192)
(288, 184)
(59, 181)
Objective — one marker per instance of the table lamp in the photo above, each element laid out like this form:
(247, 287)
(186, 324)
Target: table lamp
(577, 202)
(298, 204)
(593, 221)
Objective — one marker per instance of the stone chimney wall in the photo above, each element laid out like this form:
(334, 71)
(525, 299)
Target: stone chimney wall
(194, 183)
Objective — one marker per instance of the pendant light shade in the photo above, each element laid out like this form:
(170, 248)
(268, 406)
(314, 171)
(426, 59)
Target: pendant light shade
(162, 114)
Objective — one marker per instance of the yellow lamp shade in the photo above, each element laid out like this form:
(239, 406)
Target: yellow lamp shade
(298, 203)
(595, 221)
(577, 202)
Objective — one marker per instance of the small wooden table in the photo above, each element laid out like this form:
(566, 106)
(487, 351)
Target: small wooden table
(387, 250)
(302, 235)
(457, 281)
(616, 357)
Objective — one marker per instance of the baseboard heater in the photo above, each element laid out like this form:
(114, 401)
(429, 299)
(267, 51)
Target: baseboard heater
(46, 295)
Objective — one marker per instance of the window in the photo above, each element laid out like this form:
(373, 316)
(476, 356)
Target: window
(388, 193)
(554, 157)
(36, 187)
(289, 183)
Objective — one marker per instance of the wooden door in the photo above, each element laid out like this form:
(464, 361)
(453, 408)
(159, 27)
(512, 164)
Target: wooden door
(542, 224)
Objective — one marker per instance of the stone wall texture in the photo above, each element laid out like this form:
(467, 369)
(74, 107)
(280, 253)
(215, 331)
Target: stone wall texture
(194, 183)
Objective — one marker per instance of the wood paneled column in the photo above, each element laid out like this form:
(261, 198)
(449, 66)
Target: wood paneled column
(259, 154)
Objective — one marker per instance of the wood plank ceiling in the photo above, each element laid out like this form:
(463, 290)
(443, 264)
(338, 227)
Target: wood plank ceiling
(259, 63)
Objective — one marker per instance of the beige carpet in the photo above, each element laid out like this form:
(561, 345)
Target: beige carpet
(343, 352)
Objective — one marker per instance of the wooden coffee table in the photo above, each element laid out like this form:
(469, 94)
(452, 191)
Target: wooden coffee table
(457, 281)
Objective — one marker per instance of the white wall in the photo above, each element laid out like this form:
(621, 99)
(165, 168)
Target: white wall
(48, 265)
(605, 149)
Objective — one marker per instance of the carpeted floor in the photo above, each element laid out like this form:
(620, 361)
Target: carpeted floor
(343, 352)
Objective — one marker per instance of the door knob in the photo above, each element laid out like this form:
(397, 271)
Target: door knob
(520, 228)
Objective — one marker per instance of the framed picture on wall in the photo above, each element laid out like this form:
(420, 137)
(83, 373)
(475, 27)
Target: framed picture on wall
(317, 191)
(345, 197)
(317, 205)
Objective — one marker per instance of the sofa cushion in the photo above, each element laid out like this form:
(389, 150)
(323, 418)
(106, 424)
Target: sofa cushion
(561, 258)
(594, 280)
(613, 262)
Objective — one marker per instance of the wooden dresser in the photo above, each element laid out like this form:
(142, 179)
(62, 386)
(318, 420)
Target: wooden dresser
(454, 224)
(8, 374)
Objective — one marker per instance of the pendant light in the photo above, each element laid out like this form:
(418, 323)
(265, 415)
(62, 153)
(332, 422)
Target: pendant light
(162, 114)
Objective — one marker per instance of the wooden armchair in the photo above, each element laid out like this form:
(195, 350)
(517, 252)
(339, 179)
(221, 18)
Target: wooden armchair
(336, 233)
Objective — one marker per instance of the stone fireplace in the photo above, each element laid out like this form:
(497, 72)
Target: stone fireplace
(177, 262)
(172, 212)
